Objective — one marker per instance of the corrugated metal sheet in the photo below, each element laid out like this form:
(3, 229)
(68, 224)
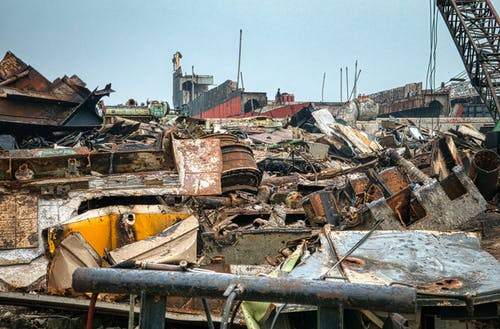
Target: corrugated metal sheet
(230, 108)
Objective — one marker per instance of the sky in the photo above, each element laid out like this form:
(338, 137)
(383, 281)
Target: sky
(287, 44)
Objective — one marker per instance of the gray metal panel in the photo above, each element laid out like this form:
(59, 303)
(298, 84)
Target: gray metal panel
(441, 264)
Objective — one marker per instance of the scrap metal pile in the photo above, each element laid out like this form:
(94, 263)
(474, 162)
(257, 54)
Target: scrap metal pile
(310, 198)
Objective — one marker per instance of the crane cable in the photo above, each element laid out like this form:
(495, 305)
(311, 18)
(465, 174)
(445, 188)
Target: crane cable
(430, 80)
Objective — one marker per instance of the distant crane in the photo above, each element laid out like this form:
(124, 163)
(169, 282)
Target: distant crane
(475, 27)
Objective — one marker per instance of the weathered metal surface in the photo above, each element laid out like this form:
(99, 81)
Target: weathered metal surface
(360, 108)
(321, 207)
(152, 311)
(437, 204)
(153, 111)
(330, 318)
(319, 263)
(444, 265)
(394, 179)
(411, 170)
(488, 225)
(407, 97)
(102, 307)
(11, 65)
(18, 221)
(278, 111)
(308, 292)
(370, 191)
(111, 227)
(26, 97)
(239, 247)
(170, 246)
(14, 72)
(199, 163)
(224, 138)
(274, 137)
(249, 124)
(29, 164)
(117, 162)
(72, 253)
(399, 93)
(444, 157)
(239, 170)
(345, 137)
(484, 173)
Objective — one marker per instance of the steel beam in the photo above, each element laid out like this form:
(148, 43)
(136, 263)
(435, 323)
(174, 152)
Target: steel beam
(213, 285)
(153, 309)
(330, 317)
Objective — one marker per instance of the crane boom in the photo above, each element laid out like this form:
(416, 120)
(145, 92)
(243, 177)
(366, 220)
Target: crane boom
(475, 28)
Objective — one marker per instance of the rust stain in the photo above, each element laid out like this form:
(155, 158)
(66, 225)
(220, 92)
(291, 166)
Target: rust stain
(353, 261)
(18, 221)
(199, 163)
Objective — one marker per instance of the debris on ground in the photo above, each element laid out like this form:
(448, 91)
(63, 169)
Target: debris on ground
(312, 197)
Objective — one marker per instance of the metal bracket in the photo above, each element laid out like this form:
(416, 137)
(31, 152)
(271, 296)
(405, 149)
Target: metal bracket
(24, 173)
(59, 190)
(72, 169)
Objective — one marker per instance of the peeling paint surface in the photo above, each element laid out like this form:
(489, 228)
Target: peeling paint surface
(199, 163)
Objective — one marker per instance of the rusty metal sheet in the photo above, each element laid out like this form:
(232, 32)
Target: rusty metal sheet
(444, 264)
(199, 163)
(321, 207)
(128, 161)
(239, 169)
(41, 153)
(250, 247)
(18, 221)
(33, 112)
(274, 137)
(444, 157)
(444, 205)
(11, 65)
(394, 180)
(28, 164)
(28, 98)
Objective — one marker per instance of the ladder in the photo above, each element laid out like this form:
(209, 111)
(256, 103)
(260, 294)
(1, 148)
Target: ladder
(475, 28)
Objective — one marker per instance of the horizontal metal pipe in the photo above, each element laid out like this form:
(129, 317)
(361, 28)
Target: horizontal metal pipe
(409, 168)
(253, 288)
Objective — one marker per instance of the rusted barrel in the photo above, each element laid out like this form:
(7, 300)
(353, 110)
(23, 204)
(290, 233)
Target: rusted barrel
(484, 173)
(224, 138)
(239, 170)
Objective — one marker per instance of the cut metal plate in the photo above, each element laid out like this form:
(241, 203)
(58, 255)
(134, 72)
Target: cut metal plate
(199, 163)
(439, 265)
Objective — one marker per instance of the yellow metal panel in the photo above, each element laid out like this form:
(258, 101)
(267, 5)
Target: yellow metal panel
(102, 232)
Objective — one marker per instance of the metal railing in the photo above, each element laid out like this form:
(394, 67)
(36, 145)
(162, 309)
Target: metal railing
(155, 286)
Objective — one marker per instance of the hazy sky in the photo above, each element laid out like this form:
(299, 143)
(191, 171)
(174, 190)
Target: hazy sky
(286, 44)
